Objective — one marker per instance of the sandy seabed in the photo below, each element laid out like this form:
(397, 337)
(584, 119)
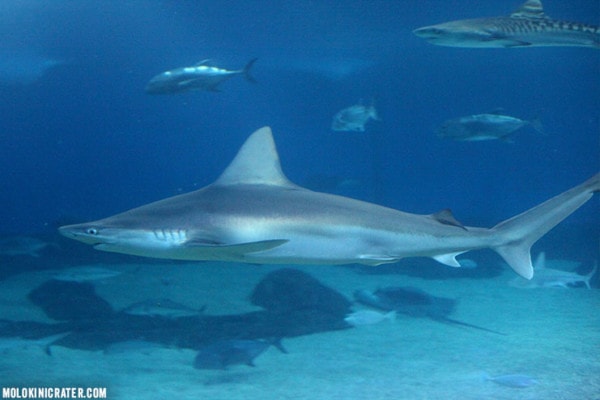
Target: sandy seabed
(553, 335)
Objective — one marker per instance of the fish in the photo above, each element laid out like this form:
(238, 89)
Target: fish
(485, 127)
(162, 308)
(545, 277)
(22, 246)
(20, 67)
(198, 77)
(368, 317)
(9, 343)
(222, 354)
(85, 274)
(253, 214)
(354, 118)
(415, 303)
(512, 380)
(528, 26)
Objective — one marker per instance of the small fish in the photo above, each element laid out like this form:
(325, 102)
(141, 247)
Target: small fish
(162, 308)
(85, 274)
(198, 77)
(484, 127)
(222, 354)
(9, 343)
(354, 118)
(545, 277)
(22, 246)
(368, 317)
(512, 380)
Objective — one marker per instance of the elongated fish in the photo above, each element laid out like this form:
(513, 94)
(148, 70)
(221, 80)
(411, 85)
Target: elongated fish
(526, 27)
(198, 77)
(254, 214)
(485, 127)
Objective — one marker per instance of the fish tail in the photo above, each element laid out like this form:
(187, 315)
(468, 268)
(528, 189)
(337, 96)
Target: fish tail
(589, 276)
(517, 234)
(246, 70)
(536, 124)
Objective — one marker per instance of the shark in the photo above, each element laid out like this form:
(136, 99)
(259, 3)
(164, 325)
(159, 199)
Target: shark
(528, 26)
(254, 214)
(546, 277)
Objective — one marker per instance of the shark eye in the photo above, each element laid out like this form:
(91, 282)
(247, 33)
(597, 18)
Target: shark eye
(91, 231)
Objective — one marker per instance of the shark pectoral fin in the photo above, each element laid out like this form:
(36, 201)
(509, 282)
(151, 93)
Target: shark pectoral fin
(238, 248)
(372, 259)
(508, 43)
(448, 259)
(186, 82)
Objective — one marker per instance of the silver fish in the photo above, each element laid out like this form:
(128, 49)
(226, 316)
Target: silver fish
(526, 27)
(484, 127)
(253, 214)
(22, 246)
(198, 77)
(354, 118)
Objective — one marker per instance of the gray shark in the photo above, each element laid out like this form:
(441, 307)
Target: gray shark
(198, 77)
(551, 278)
(252, 213)
(526, 27)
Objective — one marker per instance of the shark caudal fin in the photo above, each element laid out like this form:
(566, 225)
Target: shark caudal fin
(519, 233)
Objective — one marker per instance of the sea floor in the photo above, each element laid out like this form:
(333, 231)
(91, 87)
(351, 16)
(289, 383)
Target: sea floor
(553, 335)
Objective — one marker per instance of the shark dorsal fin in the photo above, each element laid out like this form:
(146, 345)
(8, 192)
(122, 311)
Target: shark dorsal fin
(446, 217)
(257, 162)
(530, 9)
(203, 62)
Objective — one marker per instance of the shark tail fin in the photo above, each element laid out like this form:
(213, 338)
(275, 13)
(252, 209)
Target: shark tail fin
(517, 234)
(246, 70)
(589, 276)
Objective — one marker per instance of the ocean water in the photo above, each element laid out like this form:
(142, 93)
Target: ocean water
(81, 140)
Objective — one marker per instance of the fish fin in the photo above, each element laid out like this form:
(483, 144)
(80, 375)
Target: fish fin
(536, 124)
(448, 259)
(373, 259)
(540, 261)
(257, 163)
(186, 82)
(276, 342)
(530, 9)
(519, 233)
(203, 62)
(590, 275)
(246, 71)
(446, 217)
(250, 363)
(239, 248)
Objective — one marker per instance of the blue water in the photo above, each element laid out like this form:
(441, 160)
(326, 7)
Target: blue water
(81, 140)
